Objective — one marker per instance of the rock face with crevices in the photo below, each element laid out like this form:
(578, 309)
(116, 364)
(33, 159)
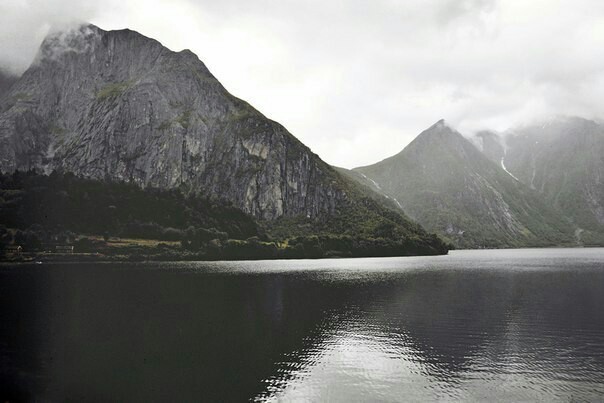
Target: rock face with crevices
(118, 105)
(6, 81)
(562, 158)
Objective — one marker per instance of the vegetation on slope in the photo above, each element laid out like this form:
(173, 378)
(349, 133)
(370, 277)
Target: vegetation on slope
(563, 160)
(364, 215)
(449, 187)
(39, 212)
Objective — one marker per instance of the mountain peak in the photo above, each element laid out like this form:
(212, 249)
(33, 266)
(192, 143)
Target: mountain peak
(58, 42)
(441, 123)
(88, 39)
(440, 130)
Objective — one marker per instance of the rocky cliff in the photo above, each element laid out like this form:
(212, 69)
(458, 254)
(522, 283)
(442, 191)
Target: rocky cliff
(6, 81)
(120, 105)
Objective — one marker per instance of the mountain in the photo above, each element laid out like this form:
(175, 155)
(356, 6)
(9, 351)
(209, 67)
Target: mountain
(563, 160)
(445, 183)
(491, 144)
(122, 106)
(116, 105)
(6, 80)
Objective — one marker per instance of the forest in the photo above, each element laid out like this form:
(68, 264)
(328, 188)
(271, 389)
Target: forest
(123, 221)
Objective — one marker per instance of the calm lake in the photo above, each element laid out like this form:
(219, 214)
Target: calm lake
(511, 325)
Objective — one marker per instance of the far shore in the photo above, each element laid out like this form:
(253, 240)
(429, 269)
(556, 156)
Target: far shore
(37, 258)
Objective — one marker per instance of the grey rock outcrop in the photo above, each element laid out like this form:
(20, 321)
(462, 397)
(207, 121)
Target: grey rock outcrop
(119, 105)
(6, 81)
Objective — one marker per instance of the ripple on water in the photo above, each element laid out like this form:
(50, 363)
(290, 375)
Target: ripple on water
(531, 333)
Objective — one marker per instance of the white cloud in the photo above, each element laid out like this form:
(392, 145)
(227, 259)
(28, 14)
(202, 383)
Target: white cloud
(356, 81)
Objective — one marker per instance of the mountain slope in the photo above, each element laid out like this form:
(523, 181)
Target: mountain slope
(563, 160)
(120, 106)
(6, 81)
(491, 144)
(449, 186)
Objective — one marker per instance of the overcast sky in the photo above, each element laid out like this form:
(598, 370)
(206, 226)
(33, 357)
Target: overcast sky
(357, 80)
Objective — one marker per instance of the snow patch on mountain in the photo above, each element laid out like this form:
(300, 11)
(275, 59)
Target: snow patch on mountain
(377, 185)
(506, 170)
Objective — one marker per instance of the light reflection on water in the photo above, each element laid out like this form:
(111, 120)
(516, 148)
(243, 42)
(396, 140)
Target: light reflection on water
(493, 336)
(512, 325)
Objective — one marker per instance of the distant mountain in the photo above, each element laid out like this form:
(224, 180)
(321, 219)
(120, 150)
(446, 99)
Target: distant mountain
(445, 183)
(563, 160)
(120, 106)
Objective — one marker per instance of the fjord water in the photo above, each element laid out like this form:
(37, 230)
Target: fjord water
(511, 325)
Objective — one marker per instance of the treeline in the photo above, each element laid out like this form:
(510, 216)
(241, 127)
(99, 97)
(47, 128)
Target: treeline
(63, 202)
(39, 211)
(323, 246)
(309, 247)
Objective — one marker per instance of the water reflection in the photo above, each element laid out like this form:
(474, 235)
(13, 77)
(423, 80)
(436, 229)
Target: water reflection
(503, 325)
(468, 334)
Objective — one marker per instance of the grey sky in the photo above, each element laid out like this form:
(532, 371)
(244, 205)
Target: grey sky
(357, 80)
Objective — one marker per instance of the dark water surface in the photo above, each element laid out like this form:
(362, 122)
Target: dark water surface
(511, 325)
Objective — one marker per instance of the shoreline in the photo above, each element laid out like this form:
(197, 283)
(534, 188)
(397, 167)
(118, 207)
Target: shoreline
(101, 258)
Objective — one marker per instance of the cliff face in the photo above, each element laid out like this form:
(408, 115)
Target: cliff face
(6, 81)
(118, 105)
(445, 183)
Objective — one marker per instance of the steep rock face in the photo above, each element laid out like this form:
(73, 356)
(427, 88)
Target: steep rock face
(563, 160)
(118, 105)
(6, 81)
(444, 182)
